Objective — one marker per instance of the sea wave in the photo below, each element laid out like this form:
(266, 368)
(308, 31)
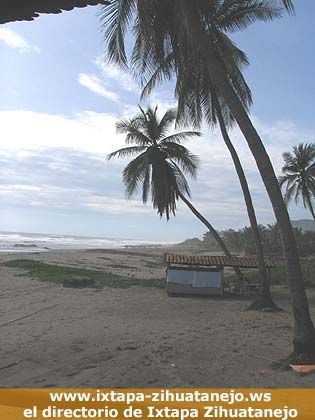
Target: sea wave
(34, 242)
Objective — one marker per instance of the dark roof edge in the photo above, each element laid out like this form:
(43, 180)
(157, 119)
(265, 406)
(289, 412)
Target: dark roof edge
(23, 10)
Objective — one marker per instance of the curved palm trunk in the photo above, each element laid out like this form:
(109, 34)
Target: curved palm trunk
(304, 332)
(264, 299)
(310, 205)
(214, 233)
(306, 194)
(312, 211)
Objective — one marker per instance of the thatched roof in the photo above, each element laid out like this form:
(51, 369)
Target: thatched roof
(14, 10)
(212, 260)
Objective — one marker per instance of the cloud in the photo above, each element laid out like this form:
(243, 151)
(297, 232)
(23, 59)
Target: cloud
(88, 131)
(112, 73)
(95, 85)
(217, 191)
(123, 83)
(56, 162)
(13, 40)
(59, 178)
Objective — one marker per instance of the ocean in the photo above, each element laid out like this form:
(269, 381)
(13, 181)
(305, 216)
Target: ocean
(35, 242)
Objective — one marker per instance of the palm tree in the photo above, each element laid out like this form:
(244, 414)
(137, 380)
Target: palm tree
(273, 239)
(189, 39)
(298, 175)
(161, 164)
(264, 299)
(219, 113)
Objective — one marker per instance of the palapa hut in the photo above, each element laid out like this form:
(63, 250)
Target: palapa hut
(203, 275)
(17, 10)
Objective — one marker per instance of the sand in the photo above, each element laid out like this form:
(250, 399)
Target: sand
(135, 337)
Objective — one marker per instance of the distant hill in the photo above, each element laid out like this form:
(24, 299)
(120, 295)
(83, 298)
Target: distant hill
(193, 243)
(304, 224)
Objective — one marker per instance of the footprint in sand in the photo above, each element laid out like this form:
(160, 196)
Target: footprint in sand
(38, 381)
(131, 347)
(76, 348)
(69, 375)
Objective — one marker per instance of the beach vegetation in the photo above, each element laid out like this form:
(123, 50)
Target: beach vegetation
(78, 277)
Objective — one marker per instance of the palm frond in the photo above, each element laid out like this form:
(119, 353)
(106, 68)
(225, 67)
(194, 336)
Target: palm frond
(180, 137)
(164, 188)
(239, 14)
(183, 186)
(298, 193)
(133, 131)
(146, 184)
(230, 52)
(126, 152)
(288, 4)
(115, 19)
(298, 177)
(311, 185)
(167, 120)
(288, 180)
(123, 126)
(291, 193)
(153, 76)
(134, 174)
(182, 156)
(282, 180)
(152, 125)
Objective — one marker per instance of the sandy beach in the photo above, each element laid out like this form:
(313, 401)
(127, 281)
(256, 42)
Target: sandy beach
(136, 336)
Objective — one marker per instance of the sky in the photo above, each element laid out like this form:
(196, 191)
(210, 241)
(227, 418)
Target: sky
(59, 104)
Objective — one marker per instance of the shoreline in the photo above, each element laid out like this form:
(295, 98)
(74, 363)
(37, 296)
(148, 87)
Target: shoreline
(28, 242)
(33, 249)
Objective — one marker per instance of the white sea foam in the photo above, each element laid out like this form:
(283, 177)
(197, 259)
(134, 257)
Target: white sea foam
(30, 242)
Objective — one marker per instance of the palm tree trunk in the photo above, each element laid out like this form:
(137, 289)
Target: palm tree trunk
(306, 195)
(311, 206)
(264, 299)
(312, 211)
(215, 234)
(304, 332)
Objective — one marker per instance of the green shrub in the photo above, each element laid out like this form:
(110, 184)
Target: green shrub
(66, 275)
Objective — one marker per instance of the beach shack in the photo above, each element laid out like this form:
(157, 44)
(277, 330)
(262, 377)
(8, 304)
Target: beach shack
(203, 275)
(18, 10)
